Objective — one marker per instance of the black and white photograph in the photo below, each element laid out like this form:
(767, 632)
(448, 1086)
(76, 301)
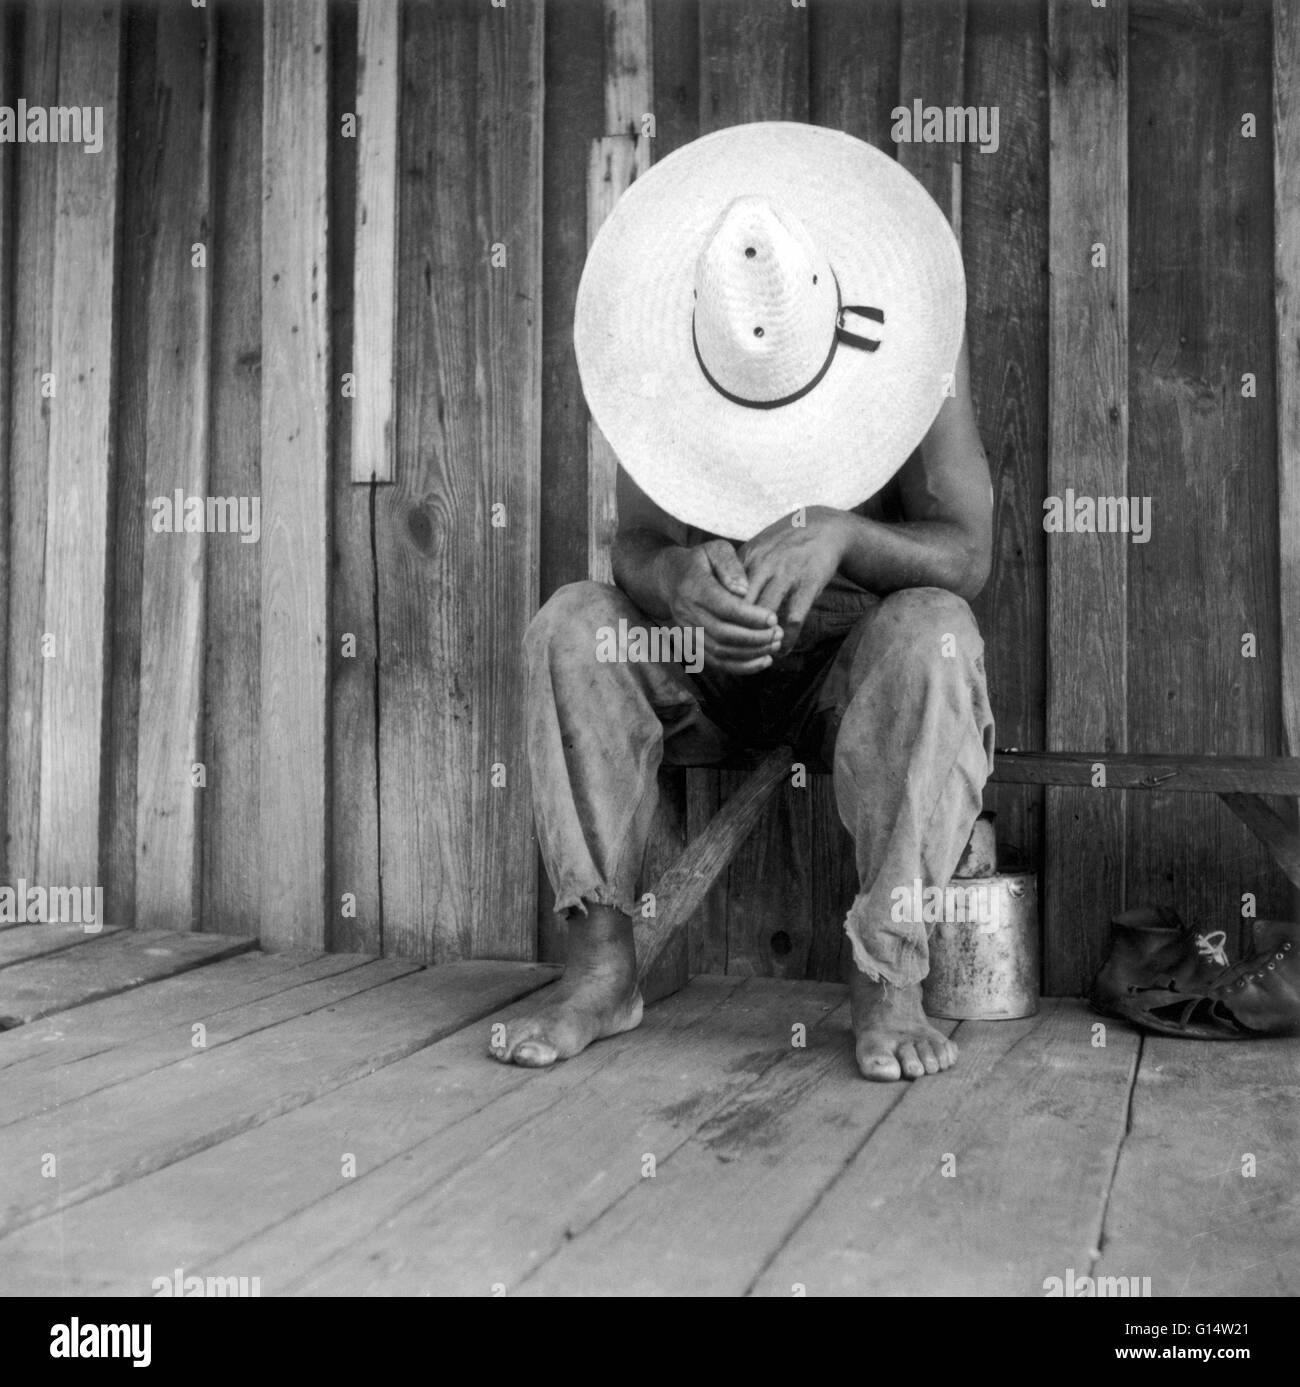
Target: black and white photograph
(650, 648)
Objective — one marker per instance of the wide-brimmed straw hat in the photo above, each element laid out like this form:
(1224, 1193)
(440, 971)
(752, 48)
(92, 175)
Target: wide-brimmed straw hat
(769, 319)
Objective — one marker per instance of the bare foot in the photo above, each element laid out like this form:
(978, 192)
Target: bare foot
(893, 1036)
(596, 997)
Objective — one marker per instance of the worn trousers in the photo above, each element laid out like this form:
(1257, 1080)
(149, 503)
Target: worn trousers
(889, 692)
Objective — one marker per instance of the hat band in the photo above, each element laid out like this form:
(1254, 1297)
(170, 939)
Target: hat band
(841, 334)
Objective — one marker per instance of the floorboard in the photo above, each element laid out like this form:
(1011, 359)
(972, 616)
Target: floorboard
(765, 1156)
(119, 1134)
(28, 1094)
(191, 996)
(102, 965)
(1184, 1209)
(1032, 1120)
(18, 943)
(344, 1132)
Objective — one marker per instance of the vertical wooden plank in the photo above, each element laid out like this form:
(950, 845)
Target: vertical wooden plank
(354, 765)
(295, 512)
(615, 163)
(8, 32)
(574, 114)
(1005, 246)
(76, 546)
(131, 511)
(854, 76)
(379, 37)
(1087, 452)
(853, 62)
(1286, 221)
(1201, 449)
(675, 41)
(456, 590)
(629, 71)
(574, 81)
(753, 63)
(754, 66)
(675, 70)
(29, 446)
(930, 69)
(232, 675)
(179, 304)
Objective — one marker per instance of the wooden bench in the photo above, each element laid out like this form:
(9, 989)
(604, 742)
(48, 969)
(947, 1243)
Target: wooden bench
(1239, 781)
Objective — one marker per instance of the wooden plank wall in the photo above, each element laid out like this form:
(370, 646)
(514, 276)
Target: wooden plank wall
(177, 303)
(366, 786)
(1202, 317)
(295, 445)
(462, 515)
(1286, 220)
(8, 75)
(1087, 454)
(81, 369)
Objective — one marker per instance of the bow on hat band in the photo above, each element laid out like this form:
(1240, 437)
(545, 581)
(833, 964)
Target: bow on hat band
(841, 334)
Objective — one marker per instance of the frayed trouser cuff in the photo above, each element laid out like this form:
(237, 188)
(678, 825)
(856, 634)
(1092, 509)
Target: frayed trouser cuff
(874, 969)
(595, 895)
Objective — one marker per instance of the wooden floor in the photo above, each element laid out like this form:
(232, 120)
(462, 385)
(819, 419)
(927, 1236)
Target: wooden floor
(331, 1125)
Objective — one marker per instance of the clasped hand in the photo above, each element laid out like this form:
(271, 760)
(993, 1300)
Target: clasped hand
(752, 601)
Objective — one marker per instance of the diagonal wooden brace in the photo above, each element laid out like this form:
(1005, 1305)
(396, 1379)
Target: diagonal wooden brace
(1278, 836)
(684, 885)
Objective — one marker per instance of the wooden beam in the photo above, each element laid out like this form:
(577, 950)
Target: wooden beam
(1286, 227)
(1087, 618)
(76, 532)
(1278, 836)
(172, 594)
(1265, 775)
(295, 503)
(379, 40)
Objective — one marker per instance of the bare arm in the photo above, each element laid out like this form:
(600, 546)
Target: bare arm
(946, 540)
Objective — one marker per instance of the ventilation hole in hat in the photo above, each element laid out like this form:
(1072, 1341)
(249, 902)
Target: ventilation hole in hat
(758, 332)
(750, 252)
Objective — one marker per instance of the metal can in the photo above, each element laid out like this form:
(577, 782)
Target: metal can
(984, 950)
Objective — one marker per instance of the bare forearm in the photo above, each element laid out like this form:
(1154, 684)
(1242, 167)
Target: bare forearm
(645, 567)
(920, 553)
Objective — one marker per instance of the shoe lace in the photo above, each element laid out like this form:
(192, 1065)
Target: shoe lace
(1211, 946)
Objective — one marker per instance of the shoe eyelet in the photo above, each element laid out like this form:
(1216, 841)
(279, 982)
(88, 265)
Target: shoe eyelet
(1270, 969)
(1277, 955)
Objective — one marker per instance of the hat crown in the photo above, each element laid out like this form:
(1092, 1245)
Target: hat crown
(765, 302)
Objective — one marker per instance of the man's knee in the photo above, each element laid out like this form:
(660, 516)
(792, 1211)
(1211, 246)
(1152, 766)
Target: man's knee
(934, 621)
(927, 628)
(573, 614)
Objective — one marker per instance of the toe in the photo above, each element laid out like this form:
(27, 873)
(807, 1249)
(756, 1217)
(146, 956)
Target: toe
(947, 1055)
(878, 1064)
(925, 1053)
(910, 1060)
(535, 1054)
